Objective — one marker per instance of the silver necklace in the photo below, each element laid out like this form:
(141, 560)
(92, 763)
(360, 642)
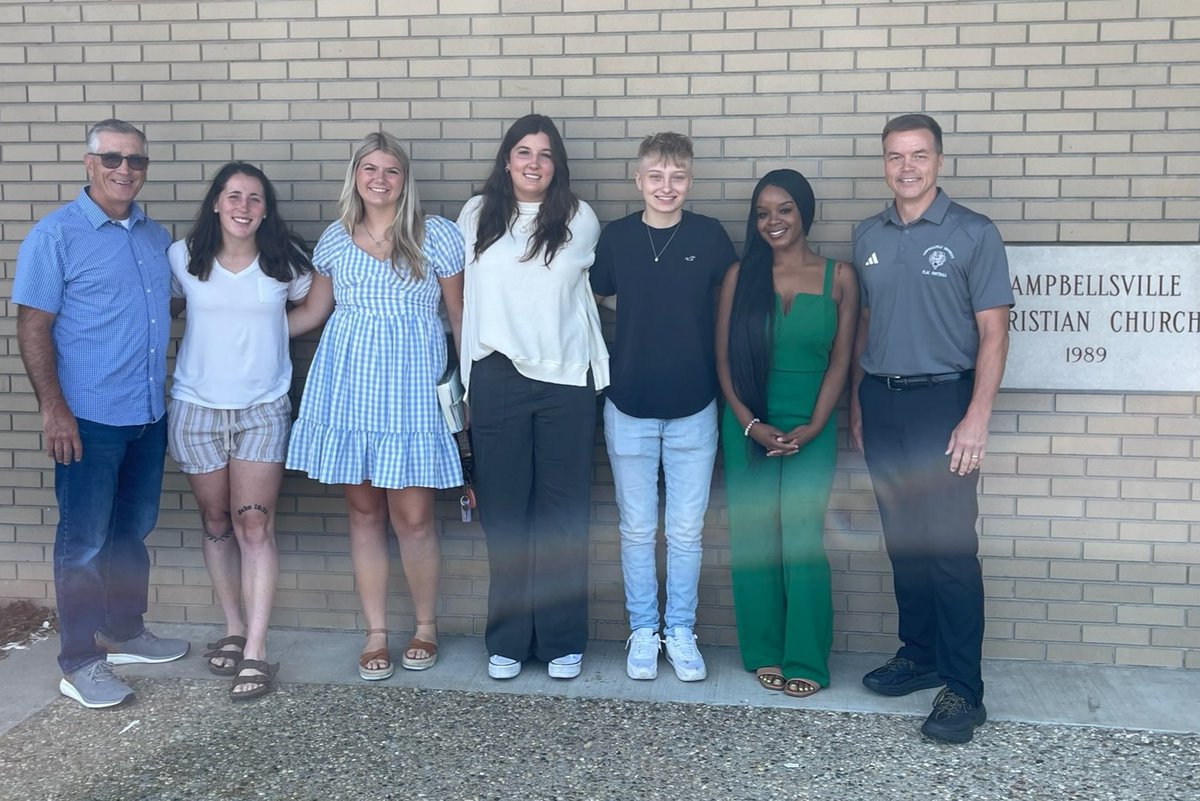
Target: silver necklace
(658, 253)
(378, 242)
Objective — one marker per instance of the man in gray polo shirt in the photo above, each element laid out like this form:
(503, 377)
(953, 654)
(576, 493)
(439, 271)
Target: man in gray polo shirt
(929, 356)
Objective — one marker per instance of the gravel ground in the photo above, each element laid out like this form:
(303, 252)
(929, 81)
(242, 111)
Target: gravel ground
(182, 739)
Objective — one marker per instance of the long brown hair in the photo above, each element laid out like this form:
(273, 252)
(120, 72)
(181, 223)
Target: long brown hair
(499, 211)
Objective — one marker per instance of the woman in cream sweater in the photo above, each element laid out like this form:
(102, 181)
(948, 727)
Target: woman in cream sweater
(532, 361)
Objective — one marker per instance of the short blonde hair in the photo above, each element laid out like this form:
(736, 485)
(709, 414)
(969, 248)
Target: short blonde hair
(669, 147)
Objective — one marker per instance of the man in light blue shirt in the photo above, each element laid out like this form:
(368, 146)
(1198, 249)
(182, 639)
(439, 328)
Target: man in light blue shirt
(92, 286)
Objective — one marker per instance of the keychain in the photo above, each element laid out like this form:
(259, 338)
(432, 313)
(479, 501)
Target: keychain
(466, 503)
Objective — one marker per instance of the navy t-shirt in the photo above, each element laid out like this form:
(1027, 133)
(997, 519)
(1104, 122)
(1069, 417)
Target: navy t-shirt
(663, 365)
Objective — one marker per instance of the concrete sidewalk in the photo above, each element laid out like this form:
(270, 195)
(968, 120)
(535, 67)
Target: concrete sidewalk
(1033, 692)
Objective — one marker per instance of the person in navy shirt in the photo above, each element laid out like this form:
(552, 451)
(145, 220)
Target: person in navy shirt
(664, 265)
(92, 286)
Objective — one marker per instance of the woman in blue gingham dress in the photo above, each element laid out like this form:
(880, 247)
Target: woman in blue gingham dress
(370, 412)
(370, 418)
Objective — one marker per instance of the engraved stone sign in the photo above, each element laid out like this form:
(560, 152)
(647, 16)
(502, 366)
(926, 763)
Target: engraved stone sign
(1121, 318)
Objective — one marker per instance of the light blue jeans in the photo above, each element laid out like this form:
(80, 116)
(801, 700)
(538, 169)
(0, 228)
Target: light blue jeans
(686, 448)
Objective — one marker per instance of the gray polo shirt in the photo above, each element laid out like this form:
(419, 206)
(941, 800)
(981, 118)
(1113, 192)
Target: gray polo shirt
(924, 283)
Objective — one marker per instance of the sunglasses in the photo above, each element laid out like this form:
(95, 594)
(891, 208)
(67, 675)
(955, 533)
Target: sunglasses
(113, 160)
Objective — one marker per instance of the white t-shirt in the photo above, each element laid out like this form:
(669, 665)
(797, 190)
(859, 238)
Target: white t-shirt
(234, 352)
(543, 318)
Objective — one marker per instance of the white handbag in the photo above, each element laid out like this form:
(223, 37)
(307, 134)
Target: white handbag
(452, 399)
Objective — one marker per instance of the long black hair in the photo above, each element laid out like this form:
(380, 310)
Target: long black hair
(282, 253)
(499, 211)
(752, 317)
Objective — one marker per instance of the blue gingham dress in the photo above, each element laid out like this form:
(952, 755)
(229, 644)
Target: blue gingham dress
(370, 409)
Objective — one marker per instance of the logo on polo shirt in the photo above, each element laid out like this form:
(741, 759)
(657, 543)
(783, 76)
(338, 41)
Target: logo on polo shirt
(938, 255)
(689, 258)
(872, 260)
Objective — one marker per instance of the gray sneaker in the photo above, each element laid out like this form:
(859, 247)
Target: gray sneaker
(95, 686)
(144, 648)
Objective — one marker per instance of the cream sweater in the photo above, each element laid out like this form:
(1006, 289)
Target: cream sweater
(543, 318)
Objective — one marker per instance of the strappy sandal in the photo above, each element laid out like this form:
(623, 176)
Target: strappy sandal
(800, 688)
(263, 679)
(378, 655)
(218, 650)
(430, 648)
(770, 679)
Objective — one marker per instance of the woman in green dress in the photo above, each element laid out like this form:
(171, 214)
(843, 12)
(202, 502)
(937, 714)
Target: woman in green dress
(785, 337)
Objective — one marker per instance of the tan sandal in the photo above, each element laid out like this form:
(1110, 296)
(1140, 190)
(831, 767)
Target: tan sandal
(378, 655)
(800, 688)
(770, 678)
(415, 644)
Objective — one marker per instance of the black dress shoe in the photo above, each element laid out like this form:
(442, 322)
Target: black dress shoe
(900, 676)
(953, 720)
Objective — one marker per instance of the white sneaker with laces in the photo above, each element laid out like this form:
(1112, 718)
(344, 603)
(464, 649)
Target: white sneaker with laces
(643, 646)
(683, 654)
(567, 666)
(501, 667)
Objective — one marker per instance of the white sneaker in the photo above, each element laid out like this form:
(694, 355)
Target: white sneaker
(501, 667)
(565, 667)
(643, 646)
(683, 654)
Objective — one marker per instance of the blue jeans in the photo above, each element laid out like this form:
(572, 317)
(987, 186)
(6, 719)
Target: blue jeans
(107, 505)
(686, 448)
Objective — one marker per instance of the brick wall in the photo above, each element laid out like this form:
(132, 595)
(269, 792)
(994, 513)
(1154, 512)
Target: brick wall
(1066, 122)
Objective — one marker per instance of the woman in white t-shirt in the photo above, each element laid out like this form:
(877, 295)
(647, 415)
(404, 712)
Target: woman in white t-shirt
(237, 273)
(533, 359)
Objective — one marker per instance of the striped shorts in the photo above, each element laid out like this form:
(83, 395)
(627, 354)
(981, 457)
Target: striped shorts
(202, 440)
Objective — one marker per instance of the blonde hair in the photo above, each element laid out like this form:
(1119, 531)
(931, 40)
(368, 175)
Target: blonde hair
(668, 147)
(408, 227)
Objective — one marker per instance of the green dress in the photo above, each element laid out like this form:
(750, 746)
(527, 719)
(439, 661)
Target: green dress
(781, 590)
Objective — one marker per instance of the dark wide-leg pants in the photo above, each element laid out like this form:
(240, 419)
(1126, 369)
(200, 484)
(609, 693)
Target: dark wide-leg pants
(929, 516)
(533, 444)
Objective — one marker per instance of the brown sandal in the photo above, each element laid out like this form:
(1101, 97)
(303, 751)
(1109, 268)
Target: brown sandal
(800, 688)
(378, 655)
(262, 679)
(415, 644)
(770, 678)
(218, 650)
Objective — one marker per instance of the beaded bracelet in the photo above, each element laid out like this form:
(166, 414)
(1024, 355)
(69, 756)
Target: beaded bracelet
(750, 425)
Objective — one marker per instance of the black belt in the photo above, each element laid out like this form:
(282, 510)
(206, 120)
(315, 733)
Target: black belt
(899, 382)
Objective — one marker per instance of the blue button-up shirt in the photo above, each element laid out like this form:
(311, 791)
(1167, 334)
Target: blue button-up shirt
(109, 289)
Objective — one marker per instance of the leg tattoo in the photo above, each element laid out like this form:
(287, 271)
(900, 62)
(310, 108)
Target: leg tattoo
(226, 531)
